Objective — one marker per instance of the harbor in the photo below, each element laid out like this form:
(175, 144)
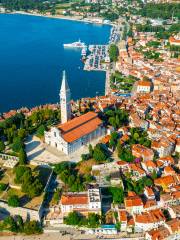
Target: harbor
(98, 58)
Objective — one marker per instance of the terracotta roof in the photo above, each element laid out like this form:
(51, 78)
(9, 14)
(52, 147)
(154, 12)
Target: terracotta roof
(144, 83)
(149, 191)
(122, 216)
(74, 199)
(133, 201)
(79, 127)
(174, 224)
(166, 181)
(159, 234)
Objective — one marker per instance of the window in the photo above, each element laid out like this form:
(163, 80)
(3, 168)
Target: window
(55, 134)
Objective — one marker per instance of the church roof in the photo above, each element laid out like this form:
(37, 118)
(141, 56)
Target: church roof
(79, 126)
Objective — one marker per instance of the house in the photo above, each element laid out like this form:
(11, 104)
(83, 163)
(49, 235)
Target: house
(150, 204)
(133, 204)
(166, 181)
(163, 147)
(169, 199)
(174, 40)
(136, 171)
(149, 220)
(174, 211)
(148, 192)
(82, 203)
(123, 219)
(144, 86)
(143, 152)
(149, 166)
(160, 233)
(173, 226)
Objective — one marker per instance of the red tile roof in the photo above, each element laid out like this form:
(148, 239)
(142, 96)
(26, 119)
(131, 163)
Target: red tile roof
(74, 199)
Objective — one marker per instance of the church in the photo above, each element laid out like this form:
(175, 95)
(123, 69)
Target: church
(72, 134)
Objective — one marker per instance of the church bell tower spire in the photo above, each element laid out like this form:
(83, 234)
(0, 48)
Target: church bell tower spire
(65, 100)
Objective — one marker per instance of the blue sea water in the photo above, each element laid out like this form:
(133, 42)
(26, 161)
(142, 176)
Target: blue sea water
(32, 59)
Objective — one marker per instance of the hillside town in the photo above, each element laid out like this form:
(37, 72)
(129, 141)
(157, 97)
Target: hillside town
(104, 166)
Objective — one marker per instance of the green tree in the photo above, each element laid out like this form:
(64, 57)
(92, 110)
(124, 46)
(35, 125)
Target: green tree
(21, 133)
(3, 186)
(13, 201)
(22, 157)
(40, 131)
(2, 146)
(93, 220)
(10, 224)
(117, 194)
(32, 227)
(17, 144)
(100, 153)
(72, 219)
(113, 52)
(91, 150)
(20, 223)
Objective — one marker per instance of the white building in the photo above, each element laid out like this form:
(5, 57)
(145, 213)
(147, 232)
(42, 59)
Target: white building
(70, 135)
(143, 86)
(83, 203)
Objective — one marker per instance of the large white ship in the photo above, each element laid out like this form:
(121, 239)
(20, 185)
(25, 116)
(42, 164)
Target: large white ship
(78, 44)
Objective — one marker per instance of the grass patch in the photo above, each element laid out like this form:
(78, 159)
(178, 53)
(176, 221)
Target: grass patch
(84, 167)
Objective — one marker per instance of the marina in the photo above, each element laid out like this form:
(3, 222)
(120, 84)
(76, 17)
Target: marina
(98, 59)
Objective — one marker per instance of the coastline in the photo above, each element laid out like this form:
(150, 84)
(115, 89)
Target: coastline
(63, 17)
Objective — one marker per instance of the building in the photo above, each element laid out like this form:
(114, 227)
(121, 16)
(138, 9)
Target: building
(143, 152)
(82, 203)
(72, 134)
(65, 100)
(149, 220)
(143, 86)
(133, 204)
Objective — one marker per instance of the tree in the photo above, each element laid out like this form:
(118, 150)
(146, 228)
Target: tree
(91, 150)
(117, 194)
(40, 131)
(72, 219)
(113, 139)
(99, 154)
(3, 186)
(154, 175)
(21, 133)
(113, 52)
(32, 227)
(22, 157)
(19, 172)
(20, 223)
(2, 146)
(17, 144)
(10, 224)
(13, 201)
(93, 220)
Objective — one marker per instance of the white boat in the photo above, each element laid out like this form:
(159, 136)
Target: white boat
(78, 44)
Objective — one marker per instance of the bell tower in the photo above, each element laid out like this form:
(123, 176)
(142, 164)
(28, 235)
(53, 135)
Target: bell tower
(65, 100)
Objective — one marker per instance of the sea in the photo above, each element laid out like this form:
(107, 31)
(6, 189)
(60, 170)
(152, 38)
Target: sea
(32, 58)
